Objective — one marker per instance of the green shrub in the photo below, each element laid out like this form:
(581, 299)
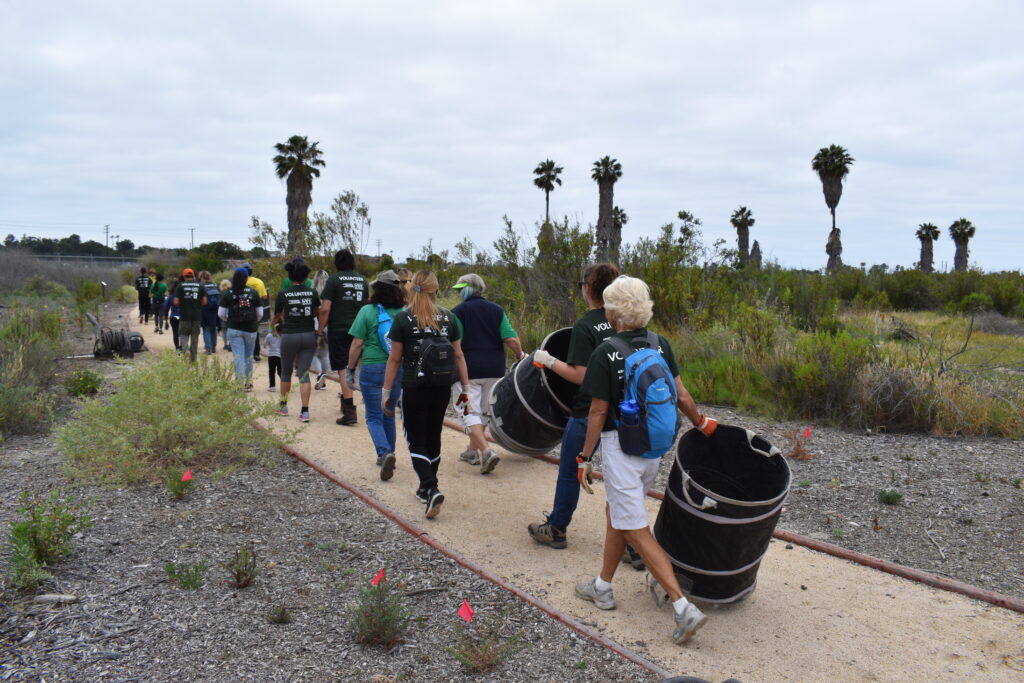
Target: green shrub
(83, 382)
(380, 616)
(728, 380)
(977, 301)
(42, 535)
(126, 294)
(30, 341)
(242, 568)
(480, 648)
(88, 292)
(822, 380)
(187, 576)
(178, 483)
(890, 497)
(39, 286)
(165, 414)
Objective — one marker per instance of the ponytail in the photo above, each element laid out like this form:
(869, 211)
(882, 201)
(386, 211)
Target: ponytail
(421, 301)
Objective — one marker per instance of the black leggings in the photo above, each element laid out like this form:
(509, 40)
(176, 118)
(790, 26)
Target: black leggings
(273, 367)
(423, 410)
(174, 331)
(297, 349)
(144, 306)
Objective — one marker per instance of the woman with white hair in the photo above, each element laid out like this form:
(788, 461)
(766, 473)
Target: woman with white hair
(628, 478)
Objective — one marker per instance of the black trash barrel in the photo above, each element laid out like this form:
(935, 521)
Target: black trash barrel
(723, 499)
(529, 406)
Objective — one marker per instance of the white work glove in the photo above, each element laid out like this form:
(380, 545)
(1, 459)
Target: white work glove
(386, 405)
(543, 359)
(462, 402)
(350, 378)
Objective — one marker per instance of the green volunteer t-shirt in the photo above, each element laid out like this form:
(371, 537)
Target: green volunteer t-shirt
(249, 298)
(505, 329)
(300, 305)
(410, 335)
(589, 331)
(159, 290)
(347, 291)
(365, 327)
(287, 282)
(190, 299)
(606, 370)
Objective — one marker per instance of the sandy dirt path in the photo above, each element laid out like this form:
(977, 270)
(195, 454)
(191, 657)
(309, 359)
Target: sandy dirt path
(813, 617)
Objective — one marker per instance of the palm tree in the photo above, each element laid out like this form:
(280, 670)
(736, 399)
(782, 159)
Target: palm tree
(832, 163)
(961, 231)
(619, 218)
(927, 233)
(298, 160)
(547, 173)
(742, 220)
(606, 173)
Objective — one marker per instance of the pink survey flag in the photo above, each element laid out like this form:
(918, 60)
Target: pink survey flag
(188, 475)
(807, 433)
(465, 611)
(380, 577)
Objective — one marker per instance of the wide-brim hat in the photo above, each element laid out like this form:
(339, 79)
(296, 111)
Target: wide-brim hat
(387, 277)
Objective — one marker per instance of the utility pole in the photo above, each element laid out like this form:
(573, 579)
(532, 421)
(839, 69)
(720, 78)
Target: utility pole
(192, 238)
(106, 235)
(378, 247)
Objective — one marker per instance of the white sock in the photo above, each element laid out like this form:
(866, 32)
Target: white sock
(601, 584)
(680, 605)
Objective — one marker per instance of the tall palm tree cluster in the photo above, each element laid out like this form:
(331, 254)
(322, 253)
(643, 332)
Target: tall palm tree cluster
(961, 231)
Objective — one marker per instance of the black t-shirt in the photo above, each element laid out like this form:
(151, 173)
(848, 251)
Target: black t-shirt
(589, 331)
(300, 304)
(249, 298)
(607, 369)
(406, 332)
(142, 284)
(190, 299)
(347, 291)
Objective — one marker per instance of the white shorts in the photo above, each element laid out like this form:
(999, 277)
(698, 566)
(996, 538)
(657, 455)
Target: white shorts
(479, 391)
(627, 479)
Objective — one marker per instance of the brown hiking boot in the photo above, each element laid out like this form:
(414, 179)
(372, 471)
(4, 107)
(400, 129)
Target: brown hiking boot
(348, 415)
(547, 534)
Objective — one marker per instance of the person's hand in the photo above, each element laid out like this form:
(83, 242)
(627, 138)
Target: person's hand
(462, 403)
(350, 378)
(706, 425)
(386, 406)
(543, 359)
(585, 473)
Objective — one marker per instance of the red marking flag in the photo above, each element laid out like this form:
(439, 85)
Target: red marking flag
(466, 612)
(807, 433)
(188, 475)
(380, 577)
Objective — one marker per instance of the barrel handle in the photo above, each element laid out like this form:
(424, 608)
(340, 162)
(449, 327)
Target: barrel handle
(709, 502)
(772, 450)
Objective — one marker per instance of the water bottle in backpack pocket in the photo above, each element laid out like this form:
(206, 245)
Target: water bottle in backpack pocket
(630, 437)
(648, 418)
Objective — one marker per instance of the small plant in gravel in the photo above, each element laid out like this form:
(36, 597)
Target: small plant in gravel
(485, 647)
(982, 477)
(42, 537)
(1016, 482)
(834, 484)
(890, 497)
(178, 483)
(83, 382)
(187, 576)
(838, 533)
(380, 616)
(279, 615)
(804, 483)
(242, 568)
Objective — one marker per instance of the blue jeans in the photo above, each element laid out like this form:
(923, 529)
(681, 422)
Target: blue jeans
(382, 429)
(209, 324)
(567, 486)
(242, 344)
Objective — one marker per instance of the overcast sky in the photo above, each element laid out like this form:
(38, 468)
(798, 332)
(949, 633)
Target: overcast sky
(158, 117)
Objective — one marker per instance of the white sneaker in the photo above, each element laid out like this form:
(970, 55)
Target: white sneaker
(688, 623)
(659, 594)
(602, 599)
(470, 455)
(489, 462)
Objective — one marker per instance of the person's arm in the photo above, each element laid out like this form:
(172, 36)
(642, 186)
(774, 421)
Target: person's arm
(595, 423)
(567, 371)
(278, 317)
(513, 343)
(325, 313)
(259, 313)
(460, 365)
(688, 407)
(202, 300)
(222, 313)
(355, 352)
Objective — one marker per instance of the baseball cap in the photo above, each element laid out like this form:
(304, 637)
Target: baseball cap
(460, 285)
(187, 272)
(388, 277)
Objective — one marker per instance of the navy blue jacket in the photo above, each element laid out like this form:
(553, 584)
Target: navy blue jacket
(481, 339)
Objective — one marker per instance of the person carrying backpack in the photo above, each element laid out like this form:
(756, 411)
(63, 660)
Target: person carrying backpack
(425, 347)
(190, 298)
(142, 284)
(297, 308)
(241, 308)
(371, 346)
(158, 294)
(209, 320)
(634, 388)
(344, 294)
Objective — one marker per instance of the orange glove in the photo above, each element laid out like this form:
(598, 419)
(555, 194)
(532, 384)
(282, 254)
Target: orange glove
(707, 425)
(585, 473)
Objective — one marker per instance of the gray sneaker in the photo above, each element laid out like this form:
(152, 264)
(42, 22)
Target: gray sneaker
(659, 594)
(489, 462)
(588, 591)
(688, 623)
(387, 466)
(470, 455)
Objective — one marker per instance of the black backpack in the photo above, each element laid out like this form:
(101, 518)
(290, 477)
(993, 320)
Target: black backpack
(436, 365)
(245, 308)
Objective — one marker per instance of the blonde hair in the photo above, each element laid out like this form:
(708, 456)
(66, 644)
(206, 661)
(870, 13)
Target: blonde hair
(628, 300)
(421, 299)
(225, 284)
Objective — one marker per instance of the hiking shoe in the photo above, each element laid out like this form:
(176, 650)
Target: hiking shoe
(489, 462)
(434, 500)
(547, 534)
(321, 381)
(247, 388)
(470, 455)
(688, 623)
(348, 415)
(631, 557)
(303, 416)
(421, 495)
(659, 594)
(282, 410)
(602, 599)
(387, 466)
(271, 388)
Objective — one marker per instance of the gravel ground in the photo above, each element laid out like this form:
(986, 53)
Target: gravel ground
(317, 545)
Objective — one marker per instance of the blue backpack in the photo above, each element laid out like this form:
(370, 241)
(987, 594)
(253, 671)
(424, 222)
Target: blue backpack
(212, 293)
(383, 327)
(649, 382)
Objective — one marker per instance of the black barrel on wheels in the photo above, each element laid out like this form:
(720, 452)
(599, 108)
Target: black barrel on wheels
(723, 499)
(529, 406)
